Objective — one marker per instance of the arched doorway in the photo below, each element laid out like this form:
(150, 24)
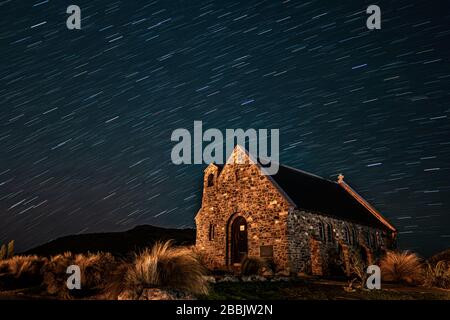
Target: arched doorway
(239, 244)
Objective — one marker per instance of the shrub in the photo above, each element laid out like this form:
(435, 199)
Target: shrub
(438, 275)
(252, 266)
(168, 267)
(401, 267)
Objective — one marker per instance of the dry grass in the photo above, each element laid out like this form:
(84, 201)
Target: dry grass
(201, 255)
(21, 271)
(165, 266)
(96, 271)
(357, 269)
(55, 275)
(162, 266)
(117, 282)
(438, 275)
(441, 256)
(401, 267)
(19, 265)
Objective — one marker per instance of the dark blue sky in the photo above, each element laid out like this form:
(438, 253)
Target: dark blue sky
(86, 116)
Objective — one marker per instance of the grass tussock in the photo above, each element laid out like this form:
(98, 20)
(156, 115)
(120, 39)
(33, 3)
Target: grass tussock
(252, 266)
(55, 275)
(102, 275)
(96, 270)
(401, 267)
(21, 271)
(165, 266)
(117, 282)
(438, 275)
(19, 265)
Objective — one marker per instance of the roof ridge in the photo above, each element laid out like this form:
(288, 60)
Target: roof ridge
(307, 173)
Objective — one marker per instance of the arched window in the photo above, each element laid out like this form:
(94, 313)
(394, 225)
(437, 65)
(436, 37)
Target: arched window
(330, 233)
(321, 231)
(210, 182)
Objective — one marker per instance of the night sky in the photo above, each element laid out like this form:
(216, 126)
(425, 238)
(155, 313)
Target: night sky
(86, 116)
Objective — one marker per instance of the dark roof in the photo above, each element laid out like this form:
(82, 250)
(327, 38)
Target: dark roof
(316, 194)
(322, 196)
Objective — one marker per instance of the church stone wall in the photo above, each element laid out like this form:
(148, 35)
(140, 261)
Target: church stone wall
(240, 190)
(313, 251)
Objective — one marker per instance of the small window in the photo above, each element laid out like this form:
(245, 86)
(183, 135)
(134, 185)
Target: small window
(347, 237)
(212, 232)
(330, 233)
(210, 182)
(321, 232)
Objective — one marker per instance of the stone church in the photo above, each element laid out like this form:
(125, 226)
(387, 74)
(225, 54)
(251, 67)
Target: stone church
(298, 221)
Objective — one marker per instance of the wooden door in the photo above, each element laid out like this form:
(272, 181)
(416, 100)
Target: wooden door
(239, 244)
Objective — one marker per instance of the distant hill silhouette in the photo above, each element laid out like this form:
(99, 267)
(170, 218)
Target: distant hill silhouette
(117, 243)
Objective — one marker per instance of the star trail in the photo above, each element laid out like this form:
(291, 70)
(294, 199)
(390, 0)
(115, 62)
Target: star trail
(86, 115)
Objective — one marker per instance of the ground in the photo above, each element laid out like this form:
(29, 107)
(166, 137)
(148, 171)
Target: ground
(318, 290)
(298, 289)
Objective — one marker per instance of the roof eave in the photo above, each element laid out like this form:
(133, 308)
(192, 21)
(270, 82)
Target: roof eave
(366, 205)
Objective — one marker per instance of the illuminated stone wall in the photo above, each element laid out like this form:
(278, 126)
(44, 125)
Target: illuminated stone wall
(240, 190)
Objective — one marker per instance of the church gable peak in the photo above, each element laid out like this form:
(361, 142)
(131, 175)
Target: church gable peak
(241, 156)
